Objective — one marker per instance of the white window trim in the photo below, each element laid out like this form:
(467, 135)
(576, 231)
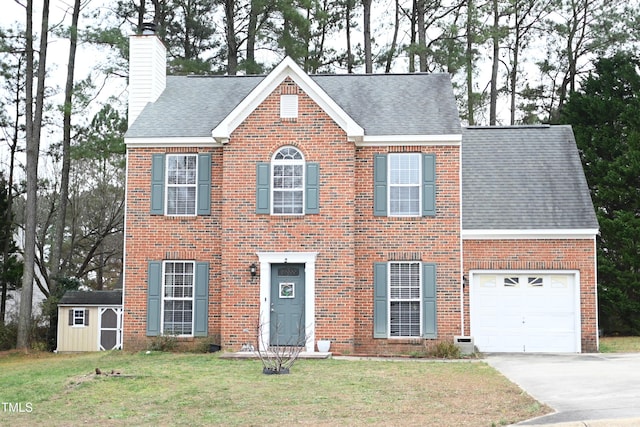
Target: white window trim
(83, 311)
(167, 185)
(419, 185)
(390, 300)
(272, 188)
(192, 299)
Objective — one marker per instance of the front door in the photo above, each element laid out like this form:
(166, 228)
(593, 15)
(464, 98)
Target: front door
(287, 324)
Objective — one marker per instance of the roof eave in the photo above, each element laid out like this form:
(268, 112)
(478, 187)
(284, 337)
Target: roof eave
(535, 234)
(416, 140)
(196, 141)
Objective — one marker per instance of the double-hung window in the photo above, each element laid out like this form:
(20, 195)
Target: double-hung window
(78, 317)
(404, 185)
(182, 170)
(405, 172)
(404, 300)
(178, 298)
(287, 168)
(177, 304)
(181, 184)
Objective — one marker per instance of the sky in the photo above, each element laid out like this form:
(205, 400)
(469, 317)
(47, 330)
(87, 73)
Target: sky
(57, 56)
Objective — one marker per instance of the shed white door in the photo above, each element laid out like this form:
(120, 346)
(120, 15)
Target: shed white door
(529, 312)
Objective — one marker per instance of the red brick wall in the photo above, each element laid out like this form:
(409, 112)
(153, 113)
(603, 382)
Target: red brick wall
(428, 239)
(330, 233)
(540, 255)
(156, 238)
(346, 235)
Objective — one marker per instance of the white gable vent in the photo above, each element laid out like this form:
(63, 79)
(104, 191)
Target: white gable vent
(288, 106)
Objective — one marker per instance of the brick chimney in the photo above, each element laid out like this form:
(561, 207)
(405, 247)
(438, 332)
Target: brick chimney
(147, 70)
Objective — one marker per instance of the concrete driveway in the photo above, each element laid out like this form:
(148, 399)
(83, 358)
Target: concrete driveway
(580, 387)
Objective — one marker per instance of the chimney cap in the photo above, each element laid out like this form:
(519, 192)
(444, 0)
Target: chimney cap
(148, 28)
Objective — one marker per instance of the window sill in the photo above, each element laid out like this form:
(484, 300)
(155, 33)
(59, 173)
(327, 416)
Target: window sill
(405, 341)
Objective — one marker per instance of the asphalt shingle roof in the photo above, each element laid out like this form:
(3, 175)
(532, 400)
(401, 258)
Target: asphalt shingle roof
(91, 298)
(394, 104)
(523, 178)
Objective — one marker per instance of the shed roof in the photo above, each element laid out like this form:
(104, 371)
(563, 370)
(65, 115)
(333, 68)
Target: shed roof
(382, 104)
(91, 298)
(523, 178)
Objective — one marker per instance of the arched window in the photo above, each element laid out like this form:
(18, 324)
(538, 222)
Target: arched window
(287, 181)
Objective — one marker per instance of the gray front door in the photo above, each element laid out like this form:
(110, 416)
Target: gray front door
(287, 305)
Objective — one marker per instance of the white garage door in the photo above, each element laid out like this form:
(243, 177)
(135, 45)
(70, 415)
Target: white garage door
(524, 312)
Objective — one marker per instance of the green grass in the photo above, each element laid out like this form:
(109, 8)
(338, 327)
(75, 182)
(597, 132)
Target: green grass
(620, 344)
(202, 389)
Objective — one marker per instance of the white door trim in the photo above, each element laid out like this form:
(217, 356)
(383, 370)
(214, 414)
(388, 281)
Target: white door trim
(309, 261)
(118, 310)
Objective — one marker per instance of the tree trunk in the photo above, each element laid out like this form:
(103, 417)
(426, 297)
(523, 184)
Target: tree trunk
(368, 58)
(422, 35)
(495, 36)
(13, 147)
(252, 32)
(232, 44)
(61, 216)
(394, 41)
(348, 8)
(469, 62)
(33, 126)
(413, 37)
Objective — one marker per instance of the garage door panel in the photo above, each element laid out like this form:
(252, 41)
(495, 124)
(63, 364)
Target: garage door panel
(515, 312)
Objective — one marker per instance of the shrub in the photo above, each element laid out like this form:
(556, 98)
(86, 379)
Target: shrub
(164, 343)
(8, 336)
(446, 350)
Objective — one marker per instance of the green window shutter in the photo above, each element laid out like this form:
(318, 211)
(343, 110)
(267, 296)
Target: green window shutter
(312, 190)
(157, 184)
(263, 172)
(428, 185)
(204, 184)
(201, 300)
(380, 185)
(380, 302)
(429, 326)
(71, 317)
(86, 318)
(154, 297)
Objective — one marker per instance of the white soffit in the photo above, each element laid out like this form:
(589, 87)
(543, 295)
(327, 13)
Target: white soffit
(171, 142)
(287, 68)
(578, 233)
(417, 140)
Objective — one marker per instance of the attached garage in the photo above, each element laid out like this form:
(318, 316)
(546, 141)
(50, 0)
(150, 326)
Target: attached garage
(513, 311)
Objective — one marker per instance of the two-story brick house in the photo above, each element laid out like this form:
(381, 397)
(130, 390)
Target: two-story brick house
(353, 208)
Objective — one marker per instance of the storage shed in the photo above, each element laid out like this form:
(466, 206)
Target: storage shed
(90, 321)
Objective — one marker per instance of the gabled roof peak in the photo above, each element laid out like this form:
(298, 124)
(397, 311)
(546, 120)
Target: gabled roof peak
(286, 69)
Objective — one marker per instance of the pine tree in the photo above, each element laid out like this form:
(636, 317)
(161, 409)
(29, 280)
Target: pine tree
(605, 119)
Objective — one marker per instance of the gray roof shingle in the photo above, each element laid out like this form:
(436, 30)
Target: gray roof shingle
(523, 178)
(382, 104)
(91, 298)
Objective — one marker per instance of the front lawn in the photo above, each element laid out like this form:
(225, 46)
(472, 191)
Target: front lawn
(201, 389)
(620, 344)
